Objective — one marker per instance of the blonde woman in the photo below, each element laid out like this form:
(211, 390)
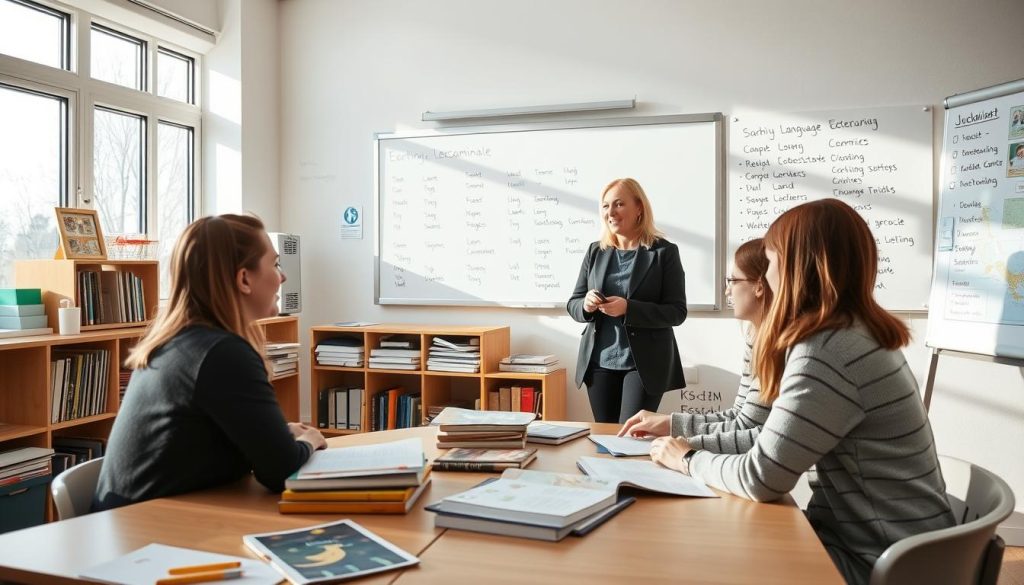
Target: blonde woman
(199, 410)
(630, 293)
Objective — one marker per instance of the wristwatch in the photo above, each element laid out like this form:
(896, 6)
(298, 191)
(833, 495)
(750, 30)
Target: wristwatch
(686, 459)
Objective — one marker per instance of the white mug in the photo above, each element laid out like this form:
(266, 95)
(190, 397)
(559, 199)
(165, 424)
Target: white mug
(69, 320)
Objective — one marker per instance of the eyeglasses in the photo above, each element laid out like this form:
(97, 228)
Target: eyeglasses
(729, 281)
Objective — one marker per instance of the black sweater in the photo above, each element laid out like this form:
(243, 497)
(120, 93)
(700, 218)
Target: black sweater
(202, 414)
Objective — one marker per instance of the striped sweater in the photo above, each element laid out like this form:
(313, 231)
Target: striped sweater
(728, 431)
(850, 409)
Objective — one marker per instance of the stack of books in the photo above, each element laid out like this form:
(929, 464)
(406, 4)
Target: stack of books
(396, 354)
(516, 399)
(19, 465)
(340, 351)
(395, 408)
(481, 429)
(454, 354)
(70, 451)
(79, 383)
(529, 364)
(484, 459)
(22, 312)
(284, 358)
(385, 478)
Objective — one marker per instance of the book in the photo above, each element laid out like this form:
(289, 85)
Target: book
(555, 500)
(395, 457)
(458, 343)
(25, 454)
(361, 495)
(150, 563)
(389, 366)
(25, 322)
(528, 359)
(484, 459)
(327, 552)
(623, 446)
(395, 480)
(21, 296)
(25, 332)
(646, 475)
(353, 507)
(549, 434)
(461, 419)
(394, 353)
(527, 369)
(22, 310)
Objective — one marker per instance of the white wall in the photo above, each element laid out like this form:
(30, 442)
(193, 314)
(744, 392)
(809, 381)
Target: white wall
(351, 68)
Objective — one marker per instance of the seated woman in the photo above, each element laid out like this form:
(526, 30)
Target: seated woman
(844, 400)
(199, 410)
(733, 430)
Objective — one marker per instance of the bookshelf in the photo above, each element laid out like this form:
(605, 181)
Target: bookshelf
(286, 386)
(58, 280)
(435, 388)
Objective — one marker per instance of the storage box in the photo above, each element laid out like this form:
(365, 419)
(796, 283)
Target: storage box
(23, 504)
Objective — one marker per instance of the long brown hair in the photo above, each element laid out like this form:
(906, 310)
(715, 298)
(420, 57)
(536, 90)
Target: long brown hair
(752, 262)
(204, 265)
(827, 264)
(648, 232)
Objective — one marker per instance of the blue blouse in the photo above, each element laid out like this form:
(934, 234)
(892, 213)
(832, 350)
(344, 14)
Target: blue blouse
(610, 344)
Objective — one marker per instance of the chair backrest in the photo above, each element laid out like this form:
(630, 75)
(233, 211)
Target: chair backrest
(969, 553)
(73, 489)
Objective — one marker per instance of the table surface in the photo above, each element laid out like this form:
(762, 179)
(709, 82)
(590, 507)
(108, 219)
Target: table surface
(657, 539)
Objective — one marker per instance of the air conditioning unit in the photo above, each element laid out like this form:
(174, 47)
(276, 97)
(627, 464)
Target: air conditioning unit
(287, 247)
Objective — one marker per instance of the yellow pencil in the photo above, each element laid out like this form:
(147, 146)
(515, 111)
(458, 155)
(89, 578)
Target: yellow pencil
(204, 568)
(201, 577)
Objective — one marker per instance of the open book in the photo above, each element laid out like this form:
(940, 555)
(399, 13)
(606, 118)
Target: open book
(646, 475)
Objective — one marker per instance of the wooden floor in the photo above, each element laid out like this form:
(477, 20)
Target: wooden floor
(1013, 566)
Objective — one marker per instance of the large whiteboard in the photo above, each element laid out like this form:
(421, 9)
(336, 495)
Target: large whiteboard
(879, 160)
(503, 215)
(977, 302)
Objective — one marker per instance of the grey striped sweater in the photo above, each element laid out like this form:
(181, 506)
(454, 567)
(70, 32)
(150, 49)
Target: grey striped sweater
(728, 431)
(850, 409)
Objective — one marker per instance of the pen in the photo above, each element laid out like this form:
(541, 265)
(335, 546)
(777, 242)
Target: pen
(204, 568)
(201, 577)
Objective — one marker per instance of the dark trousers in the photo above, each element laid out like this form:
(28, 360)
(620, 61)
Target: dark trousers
(616, 395)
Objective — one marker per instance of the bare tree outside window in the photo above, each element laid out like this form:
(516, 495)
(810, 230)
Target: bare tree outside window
(118, 171)
(174, 192)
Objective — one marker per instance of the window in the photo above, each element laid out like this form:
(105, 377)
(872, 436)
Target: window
(33, 175)
(117, 58)
(175, 76)
(108, 119)
(35, 33)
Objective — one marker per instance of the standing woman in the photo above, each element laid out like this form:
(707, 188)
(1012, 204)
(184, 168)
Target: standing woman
(844, 400)
(630, 293)
(199, 410)
(736, 429)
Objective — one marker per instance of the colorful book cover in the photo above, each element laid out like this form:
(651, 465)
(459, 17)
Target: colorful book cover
(21, 296)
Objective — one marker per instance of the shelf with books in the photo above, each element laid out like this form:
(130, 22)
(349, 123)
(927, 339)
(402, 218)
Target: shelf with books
(284, 329)
(551, 386)
(112, 294)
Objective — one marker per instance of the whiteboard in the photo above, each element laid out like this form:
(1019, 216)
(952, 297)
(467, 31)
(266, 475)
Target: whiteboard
(977, 301)
(503, 215)
(878, 160)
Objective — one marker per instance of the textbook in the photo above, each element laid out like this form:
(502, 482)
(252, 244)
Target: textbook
(554, 500)
(527, 368)
(623, 446)
(332, 506)
(393, 464)
(355, 495)
(484, 459)
(549, 434)
(327, 553)
(528, 359)
(22, 310)
(646, 475)
(461, 419)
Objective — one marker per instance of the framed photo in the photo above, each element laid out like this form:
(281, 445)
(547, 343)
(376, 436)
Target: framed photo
(80, 234)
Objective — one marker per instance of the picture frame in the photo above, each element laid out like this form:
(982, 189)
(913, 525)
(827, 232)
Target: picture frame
(81, 236)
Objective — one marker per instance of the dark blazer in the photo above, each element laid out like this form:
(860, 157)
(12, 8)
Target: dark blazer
(656, 304)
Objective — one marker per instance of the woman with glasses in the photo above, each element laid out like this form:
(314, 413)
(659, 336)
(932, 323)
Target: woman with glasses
(733, 430)
(630, 293)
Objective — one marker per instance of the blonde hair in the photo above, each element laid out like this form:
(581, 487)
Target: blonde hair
(204, 265)
(648, 232)
(827, 265)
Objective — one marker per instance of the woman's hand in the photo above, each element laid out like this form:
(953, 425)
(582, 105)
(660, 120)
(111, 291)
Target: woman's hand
(593, 300)
(669, 451)
(646, 423)
(303, 432)
(613, 307)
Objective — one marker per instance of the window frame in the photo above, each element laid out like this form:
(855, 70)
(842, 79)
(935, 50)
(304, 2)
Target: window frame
(84, 93)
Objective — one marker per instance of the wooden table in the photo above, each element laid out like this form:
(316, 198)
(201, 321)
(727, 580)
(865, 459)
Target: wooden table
(658, 539)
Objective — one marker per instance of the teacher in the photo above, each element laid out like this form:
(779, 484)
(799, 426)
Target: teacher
(630, 293)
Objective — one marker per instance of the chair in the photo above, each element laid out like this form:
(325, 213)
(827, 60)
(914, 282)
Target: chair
(73, 489)
(970, 553)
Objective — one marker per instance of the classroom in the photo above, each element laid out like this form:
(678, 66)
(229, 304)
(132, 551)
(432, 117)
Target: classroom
(321, 116)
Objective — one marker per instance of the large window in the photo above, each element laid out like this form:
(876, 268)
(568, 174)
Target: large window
(105, 119)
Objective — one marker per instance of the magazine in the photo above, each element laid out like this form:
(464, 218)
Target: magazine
(327, 553)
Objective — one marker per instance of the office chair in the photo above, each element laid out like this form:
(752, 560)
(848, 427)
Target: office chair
(73, 489)
(969, 553)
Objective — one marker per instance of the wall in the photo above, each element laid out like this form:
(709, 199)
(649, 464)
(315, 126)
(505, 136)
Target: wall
(350, 68)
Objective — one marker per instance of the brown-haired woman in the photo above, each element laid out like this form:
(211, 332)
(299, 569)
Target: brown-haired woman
(630, 293)
(199, 410)
(843, 398)
(733, 430)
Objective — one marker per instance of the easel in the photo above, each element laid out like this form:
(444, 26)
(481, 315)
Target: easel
(934, 364)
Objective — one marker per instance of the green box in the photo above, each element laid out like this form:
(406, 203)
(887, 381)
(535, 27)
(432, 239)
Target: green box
(21, 296)
(23, 504)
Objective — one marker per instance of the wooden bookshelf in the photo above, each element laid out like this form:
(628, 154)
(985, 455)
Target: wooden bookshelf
(58, 280)
(284, 330)
(435, 388)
